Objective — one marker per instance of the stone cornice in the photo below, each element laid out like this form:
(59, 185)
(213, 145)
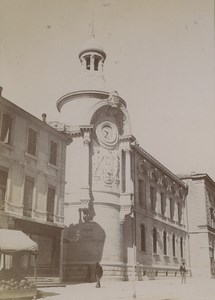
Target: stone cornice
(16, 110)
(102, 95)
(157, 164)
(198, 176)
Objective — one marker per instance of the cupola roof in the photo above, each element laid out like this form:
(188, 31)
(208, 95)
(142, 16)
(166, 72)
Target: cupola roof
(92, 45)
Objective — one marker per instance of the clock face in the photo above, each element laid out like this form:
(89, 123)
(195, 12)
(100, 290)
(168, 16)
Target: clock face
(107, 134)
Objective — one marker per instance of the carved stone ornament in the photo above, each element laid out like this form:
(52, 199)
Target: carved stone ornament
(142, 168)
(154, 175)
(172, 188)
(106, 167)
(164, 182)
(113, 99)
(124, 210)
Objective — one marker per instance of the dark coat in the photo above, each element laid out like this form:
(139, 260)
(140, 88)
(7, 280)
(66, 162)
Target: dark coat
(182, 269)
(99, 270)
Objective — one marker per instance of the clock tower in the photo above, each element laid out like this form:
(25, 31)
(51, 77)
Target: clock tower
(99, 186)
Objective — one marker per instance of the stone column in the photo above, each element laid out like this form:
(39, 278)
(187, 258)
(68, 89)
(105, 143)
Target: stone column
(85, 189)
(61, 257)
(128, 183)
(92, 58)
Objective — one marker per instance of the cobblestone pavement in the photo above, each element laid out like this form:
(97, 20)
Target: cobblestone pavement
(145, 290)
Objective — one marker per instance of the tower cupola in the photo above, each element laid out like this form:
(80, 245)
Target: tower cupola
(92, 57)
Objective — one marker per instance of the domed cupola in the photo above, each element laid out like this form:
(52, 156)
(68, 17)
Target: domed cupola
(92, 57)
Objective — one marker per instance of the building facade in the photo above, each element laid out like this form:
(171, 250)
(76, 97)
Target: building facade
(123, 208)
(32, 180)
(201, 223)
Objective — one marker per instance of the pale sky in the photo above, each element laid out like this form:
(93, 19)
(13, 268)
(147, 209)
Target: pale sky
(160, 58)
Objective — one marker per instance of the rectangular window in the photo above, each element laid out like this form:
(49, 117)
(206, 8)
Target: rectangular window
(181, 247)
(50, 204)
(143, 238)
(53, 153)
(163, 203)
(28, 196)
(6, 128)
(32, 142)
(171, 208)
(164, 243)
(173, 245)
(3, 186)
(154, 240)
(152, 197)
(142, 192)
(179, 212)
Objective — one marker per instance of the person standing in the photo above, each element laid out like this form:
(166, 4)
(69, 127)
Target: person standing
(98, 274)
(183, 273)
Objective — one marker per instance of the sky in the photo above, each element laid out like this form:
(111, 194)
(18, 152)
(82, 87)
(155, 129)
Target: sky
(160, 59)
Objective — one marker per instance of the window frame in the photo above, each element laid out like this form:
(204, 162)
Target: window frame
(25, 199)
(165, 252)
(163, 203)
(142, 192)
(34, 154)
(4, 187)
(173, 245)
(153, 198)
(143, 237)
(50, 214)
(11, 128)
(51, 142)
(154, 241)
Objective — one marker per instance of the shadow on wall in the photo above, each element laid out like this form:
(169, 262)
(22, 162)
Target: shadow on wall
(83, 243)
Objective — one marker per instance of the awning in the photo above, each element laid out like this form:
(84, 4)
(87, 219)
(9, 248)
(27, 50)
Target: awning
(12, 241)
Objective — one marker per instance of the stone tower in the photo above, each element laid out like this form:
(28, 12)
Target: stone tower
(99, 189)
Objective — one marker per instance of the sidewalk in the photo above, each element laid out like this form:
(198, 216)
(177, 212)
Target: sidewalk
(145, 290)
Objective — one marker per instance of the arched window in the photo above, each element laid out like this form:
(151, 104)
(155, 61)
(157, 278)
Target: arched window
(164, 243)
(96, 63)
(173, 245)
(143, 238)
(154, 240)
(181, 247)
(88, 62)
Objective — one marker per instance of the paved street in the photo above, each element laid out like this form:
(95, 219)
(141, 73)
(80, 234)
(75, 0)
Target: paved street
(147, 290)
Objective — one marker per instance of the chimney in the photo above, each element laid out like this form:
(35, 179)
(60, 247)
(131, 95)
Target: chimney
(44, 117)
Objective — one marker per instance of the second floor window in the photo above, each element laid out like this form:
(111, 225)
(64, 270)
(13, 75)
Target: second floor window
(152, 198)
(28, 196)
(163, 204)
(142, 193)
(171, 208)
(53, 153)
(32, 142)
(179, 212)
(3, 186)
(6, 127)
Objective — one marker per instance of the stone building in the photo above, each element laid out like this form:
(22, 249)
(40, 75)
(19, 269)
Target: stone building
(201, 223)
(123, 208)
(32, 180)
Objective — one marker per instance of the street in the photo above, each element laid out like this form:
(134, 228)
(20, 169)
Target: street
(170, 289)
